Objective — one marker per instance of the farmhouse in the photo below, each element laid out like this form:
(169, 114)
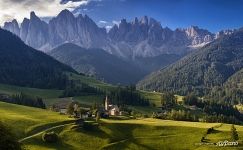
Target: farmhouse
(61, 106)
(111, 109)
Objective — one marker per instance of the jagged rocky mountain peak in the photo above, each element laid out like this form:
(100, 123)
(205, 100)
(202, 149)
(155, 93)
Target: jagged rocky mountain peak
(141, 37)
(12, 26)
(135, 21)
(65, 13)
(33, 16)
(15, 22)
(25, 20)
(144, 20)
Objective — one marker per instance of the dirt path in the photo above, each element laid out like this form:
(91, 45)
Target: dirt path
(41, 132)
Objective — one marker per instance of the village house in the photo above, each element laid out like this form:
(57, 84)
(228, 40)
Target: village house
(86, 113)
(61, 106)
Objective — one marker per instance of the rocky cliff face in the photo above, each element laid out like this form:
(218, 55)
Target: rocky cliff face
(144, 37)
(24, 29)
(12, 26)
(37, 32)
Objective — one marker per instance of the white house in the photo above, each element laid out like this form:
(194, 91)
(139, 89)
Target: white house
(63, 111)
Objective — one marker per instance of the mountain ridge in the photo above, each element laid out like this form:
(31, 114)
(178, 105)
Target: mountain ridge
(99, 63)
(142, 37)
(107, 67)
(24, 66)
(210, 66)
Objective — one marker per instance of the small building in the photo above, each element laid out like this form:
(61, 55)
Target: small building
(111, 109)
(85, 113)
(193, 107)
(63, 111)
(114, 111)
(61, 105)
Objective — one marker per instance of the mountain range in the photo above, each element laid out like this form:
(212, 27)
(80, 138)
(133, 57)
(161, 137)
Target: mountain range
(131, 50)
(218, 64)
(144, 37)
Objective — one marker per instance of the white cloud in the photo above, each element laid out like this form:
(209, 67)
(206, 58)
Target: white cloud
(103, 22)
(108, 28)
(18, 9)
(116, 22)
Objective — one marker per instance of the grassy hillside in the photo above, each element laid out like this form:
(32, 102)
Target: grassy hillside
(91, 81)
(52, 96)
(140, 134)
(24, 119)
(44, 93)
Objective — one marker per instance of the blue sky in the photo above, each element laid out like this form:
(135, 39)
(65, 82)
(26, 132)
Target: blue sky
(213, 15)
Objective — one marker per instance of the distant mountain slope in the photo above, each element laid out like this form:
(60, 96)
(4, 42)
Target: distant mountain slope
(210, 66)
(24, 66)
(99, 63)
(150, 64)
(235, 81)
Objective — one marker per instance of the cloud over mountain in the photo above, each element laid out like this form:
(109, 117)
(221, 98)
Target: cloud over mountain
(44, 8)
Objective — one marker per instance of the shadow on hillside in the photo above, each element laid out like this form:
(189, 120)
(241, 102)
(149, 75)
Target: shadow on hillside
(121, 135)
(215, 131)
(37, 142)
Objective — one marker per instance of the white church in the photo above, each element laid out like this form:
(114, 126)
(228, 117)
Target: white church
(112, 110)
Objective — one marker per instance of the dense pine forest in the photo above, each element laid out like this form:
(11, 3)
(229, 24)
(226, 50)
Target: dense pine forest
(216, 64)
(24, 66)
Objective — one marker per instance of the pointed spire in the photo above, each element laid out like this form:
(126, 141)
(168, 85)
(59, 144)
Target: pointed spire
(33, 15)
(144, 20)
(66, 13)
(106, 103)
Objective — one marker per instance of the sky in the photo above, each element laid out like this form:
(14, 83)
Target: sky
(213, 15)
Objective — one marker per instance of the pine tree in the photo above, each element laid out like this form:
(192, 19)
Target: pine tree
(97, 116)
(234, 134)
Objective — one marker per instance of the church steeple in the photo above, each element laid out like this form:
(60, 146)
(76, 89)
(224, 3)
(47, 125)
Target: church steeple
(106, 103)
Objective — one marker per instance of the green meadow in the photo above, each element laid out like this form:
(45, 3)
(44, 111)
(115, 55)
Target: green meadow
(110, 134)
(29, 123)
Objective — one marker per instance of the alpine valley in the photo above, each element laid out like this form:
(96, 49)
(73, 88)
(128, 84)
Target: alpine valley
(70, 84)
(143, 45)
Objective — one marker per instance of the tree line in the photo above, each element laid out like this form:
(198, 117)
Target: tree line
(24, 99)
(216, 111)
(128, 96)
(80, 89)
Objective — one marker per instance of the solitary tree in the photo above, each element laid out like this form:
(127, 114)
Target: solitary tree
(190, 99)
(234, 134)
(72, 108)
(97, 116)
(168, 99)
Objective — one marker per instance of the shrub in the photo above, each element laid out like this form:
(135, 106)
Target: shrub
(210, 130)
(203, 139)
(50, 137)
(234, 134)
(8, 141)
